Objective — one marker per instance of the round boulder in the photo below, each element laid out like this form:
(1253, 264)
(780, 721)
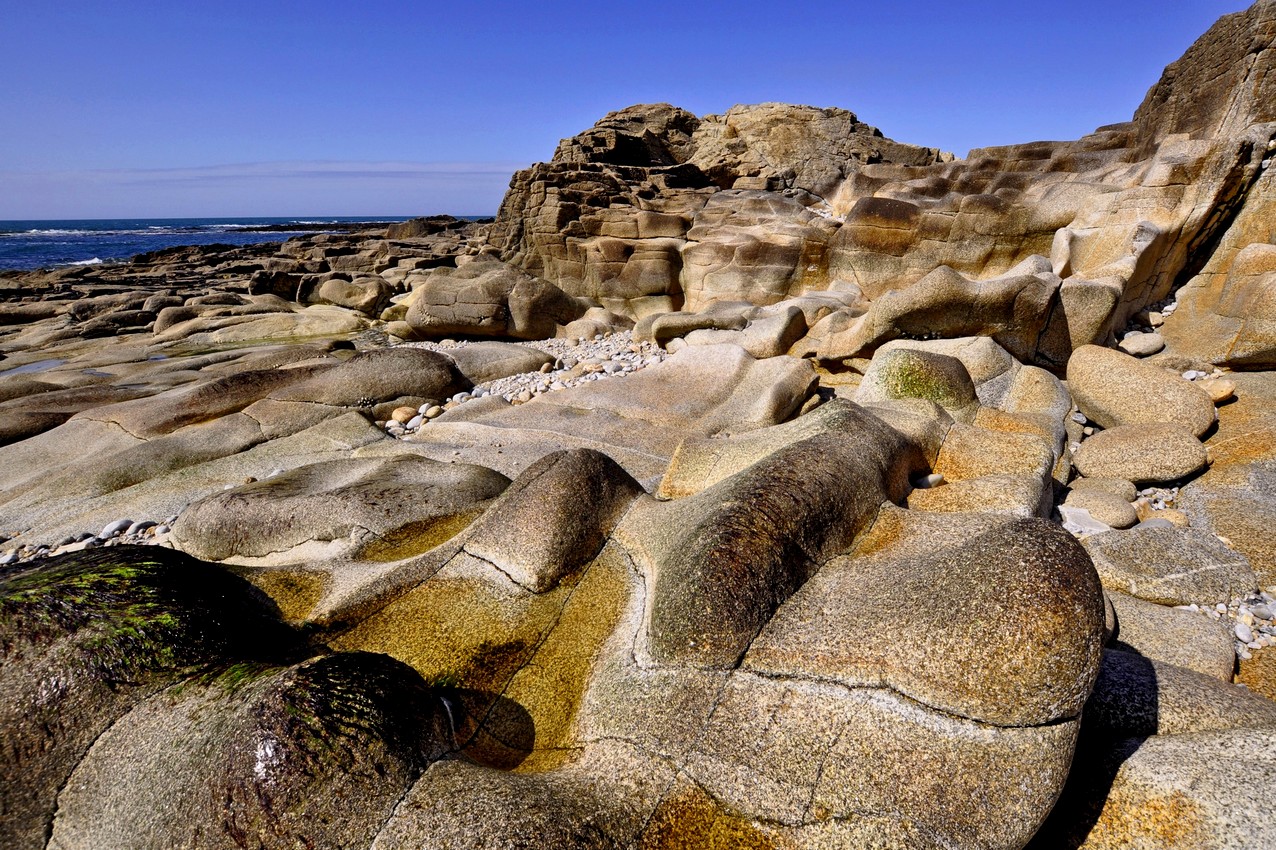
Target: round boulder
(1112, 388)
(1144, 454)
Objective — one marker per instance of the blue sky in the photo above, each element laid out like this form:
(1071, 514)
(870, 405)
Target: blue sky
(151, 109)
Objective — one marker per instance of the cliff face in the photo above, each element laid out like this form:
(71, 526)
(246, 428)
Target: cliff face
(654, 209)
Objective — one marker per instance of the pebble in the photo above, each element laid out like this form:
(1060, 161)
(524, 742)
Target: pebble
(115, 528)
(1252, 619)
(1219, 389)
(120, 532)
(926, 482)
(1140, 344)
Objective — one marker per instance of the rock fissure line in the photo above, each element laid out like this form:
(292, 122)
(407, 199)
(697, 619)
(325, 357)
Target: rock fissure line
(886, 687)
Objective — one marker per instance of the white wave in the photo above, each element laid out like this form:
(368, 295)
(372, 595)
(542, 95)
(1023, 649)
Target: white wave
(96, 261)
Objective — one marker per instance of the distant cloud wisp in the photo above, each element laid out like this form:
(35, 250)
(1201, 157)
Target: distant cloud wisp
(328, 187)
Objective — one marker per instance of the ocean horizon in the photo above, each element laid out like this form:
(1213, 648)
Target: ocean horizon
(27, 244)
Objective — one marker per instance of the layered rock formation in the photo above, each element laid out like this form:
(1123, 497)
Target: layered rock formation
(816, 507)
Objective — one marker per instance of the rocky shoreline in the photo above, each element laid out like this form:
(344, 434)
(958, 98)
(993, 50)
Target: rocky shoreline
(751, 480)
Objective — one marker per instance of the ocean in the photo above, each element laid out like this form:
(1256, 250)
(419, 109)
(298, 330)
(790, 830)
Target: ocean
(48, 244)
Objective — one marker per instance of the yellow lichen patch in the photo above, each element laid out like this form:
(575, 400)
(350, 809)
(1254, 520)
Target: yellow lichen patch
(1258, 673)
(415, 538)
(552, 683)
(295, 591)
(972, 452)
(1132, 819)
(460, 630)
(1013, 423)
(886, 531)
(1246, 523)
(693, 819)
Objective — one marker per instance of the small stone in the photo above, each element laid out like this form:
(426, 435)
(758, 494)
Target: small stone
(144, 525)
(1107, 508)
(161, 530)
(546, 367)
(1219, 389)
(1141, 344)
(8, 558)
(1079, 521)
(926, 482)
(115, 528)
(1243, 633)
(415, 422)
(403, 414)
(433, 411)
(1176, 518)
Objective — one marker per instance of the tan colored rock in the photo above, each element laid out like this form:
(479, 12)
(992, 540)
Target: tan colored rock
(388, 508)
(1121, 487)
(1219, 389)
(911, 373)
(1012, 310)
(752, 246)
(1112, 388)
(1136, 696)
(1179, 637)
(367, 294)
(828, 626)
(1167, 792)
(1004, 493)
(1145, 453)
(1170, 566)
(489, 298)
(1107, 508)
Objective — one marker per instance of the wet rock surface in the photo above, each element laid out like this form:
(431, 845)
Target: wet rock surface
(750, 480)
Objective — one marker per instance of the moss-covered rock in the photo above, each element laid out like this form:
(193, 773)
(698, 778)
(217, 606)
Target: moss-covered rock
(85, 637)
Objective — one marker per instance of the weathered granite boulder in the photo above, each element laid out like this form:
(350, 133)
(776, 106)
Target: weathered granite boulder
(1148, 453)
(382, 509)
(1170, 566)
(488, 298)
(1112, 388)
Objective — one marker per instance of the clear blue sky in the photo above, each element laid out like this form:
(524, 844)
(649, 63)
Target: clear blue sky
(370, 107)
